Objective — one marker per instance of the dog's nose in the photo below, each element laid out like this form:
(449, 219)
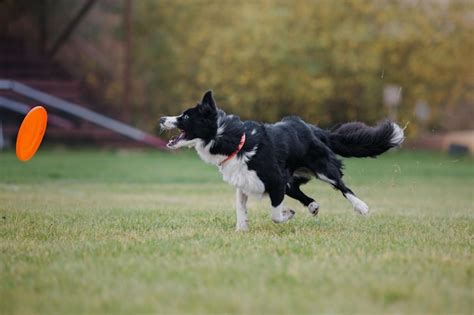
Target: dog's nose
(162, 120)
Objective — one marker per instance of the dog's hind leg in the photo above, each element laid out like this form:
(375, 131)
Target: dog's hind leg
(293, 190)
(280, 214)
(330, 172)
(241, 210)
(359, 205)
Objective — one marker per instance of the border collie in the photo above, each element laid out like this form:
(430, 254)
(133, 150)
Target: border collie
(276, 159)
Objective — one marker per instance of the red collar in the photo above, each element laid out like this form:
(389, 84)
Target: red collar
(241, 144)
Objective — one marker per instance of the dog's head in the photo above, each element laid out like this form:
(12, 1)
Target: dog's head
(196, 123)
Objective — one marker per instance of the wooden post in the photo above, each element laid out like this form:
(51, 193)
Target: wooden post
(127, 61)
(70, 28)
(43, 32)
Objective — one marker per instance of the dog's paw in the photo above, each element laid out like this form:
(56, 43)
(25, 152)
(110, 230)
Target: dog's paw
(284, 216)
(288, 213)
(313, 208)
(242, 226)
(362, 209)
(359, 206)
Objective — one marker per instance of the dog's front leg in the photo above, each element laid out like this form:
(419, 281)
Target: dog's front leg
(280, 213)
(241, 210)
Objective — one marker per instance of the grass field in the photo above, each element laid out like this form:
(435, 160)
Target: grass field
(139, 232)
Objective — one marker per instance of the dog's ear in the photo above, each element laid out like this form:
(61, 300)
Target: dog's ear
(208, 101)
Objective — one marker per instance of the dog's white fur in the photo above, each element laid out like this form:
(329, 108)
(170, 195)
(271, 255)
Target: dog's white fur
(241, 210)
(325, 179)
(170, 122)
(313, 208)
(359, 205)
(397, 135)
(235, 170)
(280, 214)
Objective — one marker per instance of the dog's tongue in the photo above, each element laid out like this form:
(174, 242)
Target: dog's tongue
(175, 139)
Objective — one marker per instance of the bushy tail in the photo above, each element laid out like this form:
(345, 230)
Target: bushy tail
(356, 139)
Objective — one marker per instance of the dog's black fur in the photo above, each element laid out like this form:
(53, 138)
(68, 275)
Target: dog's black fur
(289, 152)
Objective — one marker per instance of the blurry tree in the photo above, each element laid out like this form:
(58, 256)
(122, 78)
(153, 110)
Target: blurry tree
(327, 61)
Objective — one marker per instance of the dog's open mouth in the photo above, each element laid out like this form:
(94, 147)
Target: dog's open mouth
(176, 139)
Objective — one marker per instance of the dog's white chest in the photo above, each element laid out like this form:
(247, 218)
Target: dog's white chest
(236, 173)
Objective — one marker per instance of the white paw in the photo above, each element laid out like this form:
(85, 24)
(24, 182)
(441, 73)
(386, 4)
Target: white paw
(313, 208)
(359, 205)
(242, 226)
(283, 216)
(362, 208)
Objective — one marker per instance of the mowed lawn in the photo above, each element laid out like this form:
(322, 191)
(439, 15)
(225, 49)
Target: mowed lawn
(139, 232)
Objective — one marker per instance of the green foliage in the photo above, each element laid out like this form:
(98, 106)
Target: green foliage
(152, 232)
(325, 60)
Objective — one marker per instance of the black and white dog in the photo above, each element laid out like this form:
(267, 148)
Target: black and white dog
(276, 159)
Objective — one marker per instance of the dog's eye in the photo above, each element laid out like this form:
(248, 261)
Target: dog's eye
(186, 117)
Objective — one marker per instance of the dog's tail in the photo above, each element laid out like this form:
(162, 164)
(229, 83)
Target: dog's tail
(356, 139)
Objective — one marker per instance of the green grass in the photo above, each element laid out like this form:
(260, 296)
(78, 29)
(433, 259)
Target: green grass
(140, 232)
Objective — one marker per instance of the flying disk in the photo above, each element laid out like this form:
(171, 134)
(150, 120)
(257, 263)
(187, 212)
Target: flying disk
(31, 133)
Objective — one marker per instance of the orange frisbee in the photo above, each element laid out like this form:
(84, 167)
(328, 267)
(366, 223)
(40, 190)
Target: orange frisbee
(31, 133)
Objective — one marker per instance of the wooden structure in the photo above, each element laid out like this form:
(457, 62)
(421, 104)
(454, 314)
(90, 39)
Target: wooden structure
(30, 78)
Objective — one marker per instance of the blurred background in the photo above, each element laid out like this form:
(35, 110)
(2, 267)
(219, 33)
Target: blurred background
(106, 70)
